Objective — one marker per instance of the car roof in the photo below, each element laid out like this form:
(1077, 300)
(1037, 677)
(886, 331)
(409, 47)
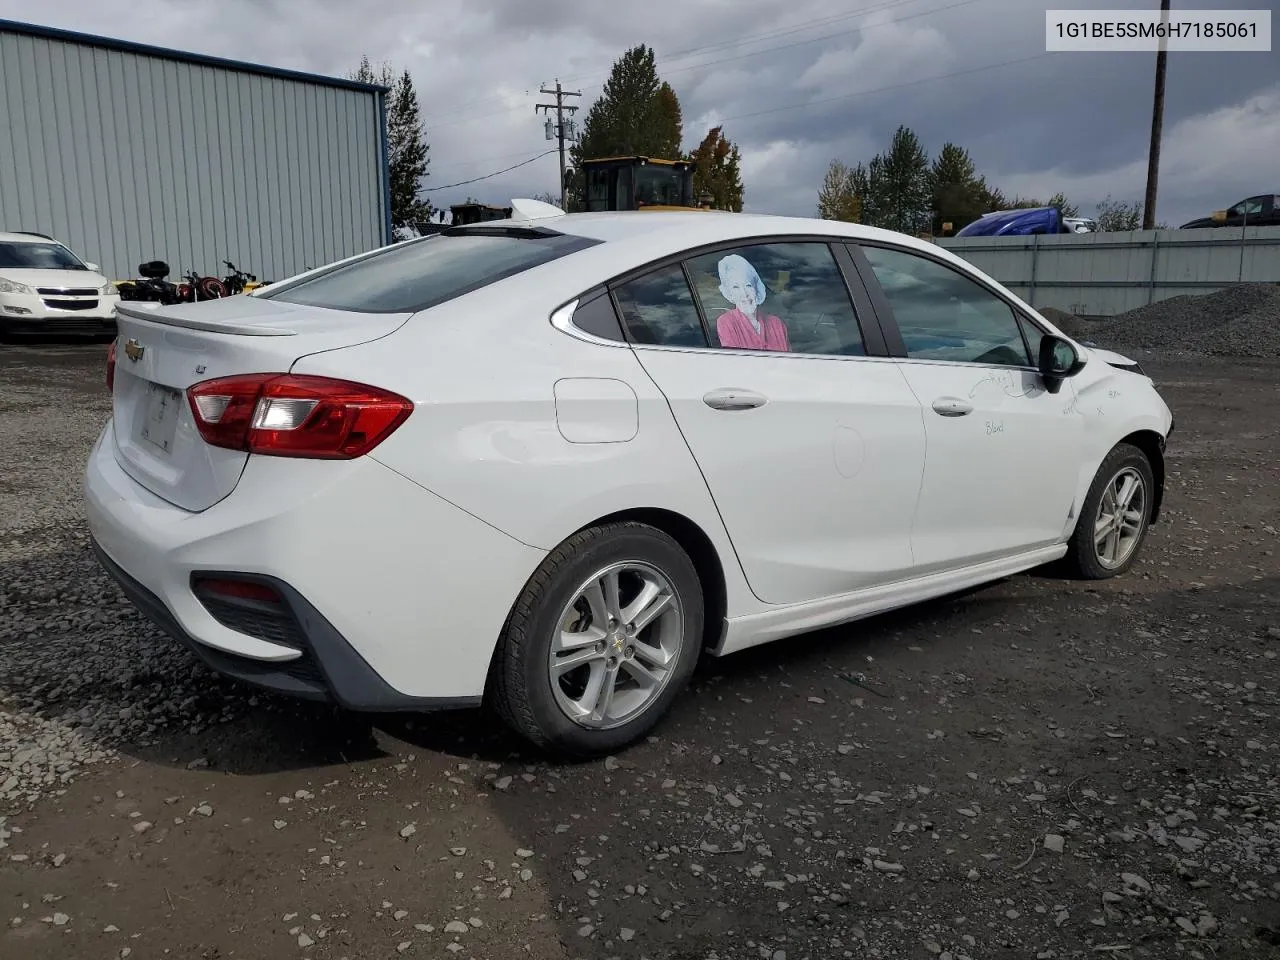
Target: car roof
(700, 227)
(19, 236)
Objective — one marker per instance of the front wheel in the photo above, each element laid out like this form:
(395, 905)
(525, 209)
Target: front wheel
(1115, 517)
(600, 642)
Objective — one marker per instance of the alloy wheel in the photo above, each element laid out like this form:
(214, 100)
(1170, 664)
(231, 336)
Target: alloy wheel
(1122, 515)
(617, 644)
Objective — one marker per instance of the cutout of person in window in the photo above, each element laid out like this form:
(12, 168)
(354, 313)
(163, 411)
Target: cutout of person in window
(746, 326)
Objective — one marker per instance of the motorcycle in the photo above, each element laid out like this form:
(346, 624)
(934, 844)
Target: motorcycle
(150, 284)
(195, 288)
(238, 281)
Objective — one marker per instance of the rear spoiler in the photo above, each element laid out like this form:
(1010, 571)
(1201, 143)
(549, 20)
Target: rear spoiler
(153, 313)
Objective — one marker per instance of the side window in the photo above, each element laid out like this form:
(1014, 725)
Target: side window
(944, 315)
(658, 309)
(1238, 209)
(781, 297)
(1254, 205)
(1033, 336)
(598, 318)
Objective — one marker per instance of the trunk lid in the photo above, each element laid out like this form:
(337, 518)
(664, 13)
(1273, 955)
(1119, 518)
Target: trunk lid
(162, 350)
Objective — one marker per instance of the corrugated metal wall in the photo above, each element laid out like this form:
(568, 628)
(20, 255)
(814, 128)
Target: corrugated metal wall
(128, 157)
(1102, 274)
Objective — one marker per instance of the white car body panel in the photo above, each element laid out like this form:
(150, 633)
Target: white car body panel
(184, 344)
(846, 498)
(818, 485)
(977, 502)
(424, 618)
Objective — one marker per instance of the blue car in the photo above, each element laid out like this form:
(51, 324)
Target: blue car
(1015, 223)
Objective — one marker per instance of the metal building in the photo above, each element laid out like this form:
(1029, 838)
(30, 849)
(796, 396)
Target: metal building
(129, 153)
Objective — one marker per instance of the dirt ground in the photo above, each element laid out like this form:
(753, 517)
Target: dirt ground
(1040, 768)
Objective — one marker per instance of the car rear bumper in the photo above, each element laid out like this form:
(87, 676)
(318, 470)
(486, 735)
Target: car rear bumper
(391, 599)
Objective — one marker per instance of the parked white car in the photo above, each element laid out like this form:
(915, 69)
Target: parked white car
(545, 463)
(1081, 224)
(45, 288)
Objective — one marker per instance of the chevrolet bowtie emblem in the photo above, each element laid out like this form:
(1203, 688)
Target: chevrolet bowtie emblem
(134, 350)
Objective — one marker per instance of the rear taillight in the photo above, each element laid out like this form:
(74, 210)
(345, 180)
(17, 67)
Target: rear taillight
(111, 367)
(289, 415)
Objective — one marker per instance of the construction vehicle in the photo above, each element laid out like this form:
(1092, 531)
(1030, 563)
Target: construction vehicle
(640, 183)
(477, 213)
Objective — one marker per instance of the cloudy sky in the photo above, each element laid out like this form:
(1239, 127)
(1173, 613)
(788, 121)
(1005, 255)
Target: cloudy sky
(795, 84)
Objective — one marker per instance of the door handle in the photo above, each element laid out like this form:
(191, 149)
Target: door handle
(952, 407)
(731, 399)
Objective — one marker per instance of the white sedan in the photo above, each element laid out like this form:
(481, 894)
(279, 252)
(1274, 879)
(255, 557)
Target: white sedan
(547, 463)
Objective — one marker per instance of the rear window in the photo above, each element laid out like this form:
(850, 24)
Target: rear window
(418, 274)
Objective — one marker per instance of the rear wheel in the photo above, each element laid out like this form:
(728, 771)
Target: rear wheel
(600, 642)
(1115, 517)
(211, 288)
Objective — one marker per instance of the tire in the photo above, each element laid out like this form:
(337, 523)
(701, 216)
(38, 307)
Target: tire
(1085, 558)
(551, 712)
(211, 288)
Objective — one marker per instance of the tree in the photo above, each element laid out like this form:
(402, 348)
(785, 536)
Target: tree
(959, 194)
(901, 185)
(717, 171)
(636, 115)
(1068, 209)
(668, 122)
(1116, 215)
(407, 149)
(838, 197)
(546, 196)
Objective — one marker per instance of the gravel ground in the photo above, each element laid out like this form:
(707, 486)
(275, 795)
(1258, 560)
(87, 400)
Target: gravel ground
(1237, 321)
(1041, 768)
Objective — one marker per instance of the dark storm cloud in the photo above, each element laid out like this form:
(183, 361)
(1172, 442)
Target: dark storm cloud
(780, 77)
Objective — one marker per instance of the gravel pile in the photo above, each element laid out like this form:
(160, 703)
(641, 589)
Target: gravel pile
(1237, 321)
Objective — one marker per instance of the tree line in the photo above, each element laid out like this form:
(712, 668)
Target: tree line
(639, 114)
(902, 189)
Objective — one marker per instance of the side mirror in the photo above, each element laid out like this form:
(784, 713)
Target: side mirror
(93, 267)
(1058, 361)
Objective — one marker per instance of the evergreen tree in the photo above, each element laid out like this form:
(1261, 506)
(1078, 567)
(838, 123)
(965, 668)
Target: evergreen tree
(958, 193)
(407, 149)
(668, 123)
(902, 185)
(636, 115)
(717, 171)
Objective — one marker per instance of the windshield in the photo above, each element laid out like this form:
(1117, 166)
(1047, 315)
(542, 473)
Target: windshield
(21, 255)
(658, 185)
(418, 274)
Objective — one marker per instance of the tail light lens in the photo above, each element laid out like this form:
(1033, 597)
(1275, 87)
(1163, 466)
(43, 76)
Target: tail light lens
(111, 367)
(290, 415)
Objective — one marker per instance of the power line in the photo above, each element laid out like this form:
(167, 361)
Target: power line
(796, 106)
(755, 53)
(892, 86)
(722, 44)
(488, 176)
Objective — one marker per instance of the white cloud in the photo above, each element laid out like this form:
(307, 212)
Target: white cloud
(886, 52)
(478, 67)
(1213, 159)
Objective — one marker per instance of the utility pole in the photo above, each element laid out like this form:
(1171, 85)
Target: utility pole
(1157, 125)
(562, 131)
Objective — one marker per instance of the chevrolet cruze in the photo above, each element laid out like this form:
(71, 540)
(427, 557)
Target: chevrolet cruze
(547, 463)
